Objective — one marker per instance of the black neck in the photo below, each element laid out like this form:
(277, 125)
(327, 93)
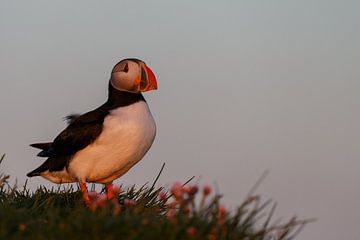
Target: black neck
(119, 98)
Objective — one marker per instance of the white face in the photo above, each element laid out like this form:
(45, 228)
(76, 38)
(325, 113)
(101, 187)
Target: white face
(132, 75)
(126, 76)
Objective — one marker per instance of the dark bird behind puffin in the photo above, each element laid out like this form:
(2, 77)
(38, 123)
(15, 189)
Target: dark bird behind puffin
(103, 144)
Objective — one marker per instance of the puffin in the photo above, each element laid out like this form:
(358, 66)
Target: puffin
(103, 144)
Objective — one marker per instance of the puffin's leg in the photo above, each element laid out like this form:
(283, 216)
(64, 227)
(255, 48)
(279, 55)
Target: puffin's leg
(109, 190)
(84, 193)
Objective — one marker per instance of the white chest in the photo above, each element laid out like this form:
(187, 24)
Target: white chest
(127, 134)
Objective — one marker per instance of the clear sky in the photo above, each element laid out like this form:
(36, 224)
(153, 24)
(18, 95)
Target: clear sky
(244, 86)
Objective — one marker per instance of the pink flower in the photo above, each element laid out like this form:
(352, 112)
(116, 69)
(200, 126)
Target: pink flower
(170, 214)
(172, 205)
(162, 196)
(22, 227)
(222, 215)
(206, 190)
(186, 211)
(176, 190)
(116, 189)
(93, 195)
(116, 208)
(192, 190)
(101, 200)
(191, 231)
(222, 210)
(129, 203)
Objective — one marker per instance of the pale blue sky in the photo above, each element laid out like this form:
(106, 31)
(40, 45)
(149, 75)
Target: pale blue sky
(244, 86)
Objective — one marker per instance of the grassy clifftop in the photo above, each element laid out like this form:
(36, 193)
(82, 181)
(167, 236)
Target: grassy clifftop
(181, 212)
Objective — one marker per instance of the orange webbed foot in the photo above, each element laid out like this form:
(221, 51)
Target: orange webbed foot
(85, 193)
(109, 191)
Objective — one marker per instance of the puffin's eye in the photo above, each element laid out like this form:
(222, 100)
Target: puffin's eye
(126, 68)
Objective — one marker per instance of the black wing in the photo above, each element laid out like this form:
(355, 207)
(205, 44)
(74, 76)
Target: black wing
(45, 147)
(81, 132)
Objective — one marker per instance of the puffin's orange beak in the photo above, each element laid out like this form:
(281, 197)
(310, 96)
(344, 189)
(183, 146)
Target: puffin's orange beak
(148, 80)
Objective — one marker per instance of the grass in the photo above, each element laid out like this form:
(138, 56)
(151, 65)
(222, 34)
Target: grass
(182, 212)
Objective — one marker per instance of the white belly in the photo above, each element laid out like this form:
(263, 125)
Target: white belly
(128, 133)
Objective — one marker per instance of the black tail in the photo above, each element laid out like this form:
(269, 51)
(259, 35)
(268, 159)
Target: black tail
(43, 167)
(41, 146)
(33, 173)
(45, 147)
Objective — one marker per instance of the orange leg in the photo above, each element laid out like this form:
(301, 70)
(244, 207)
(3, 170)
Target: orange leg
(109, 191)
(84, 193)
